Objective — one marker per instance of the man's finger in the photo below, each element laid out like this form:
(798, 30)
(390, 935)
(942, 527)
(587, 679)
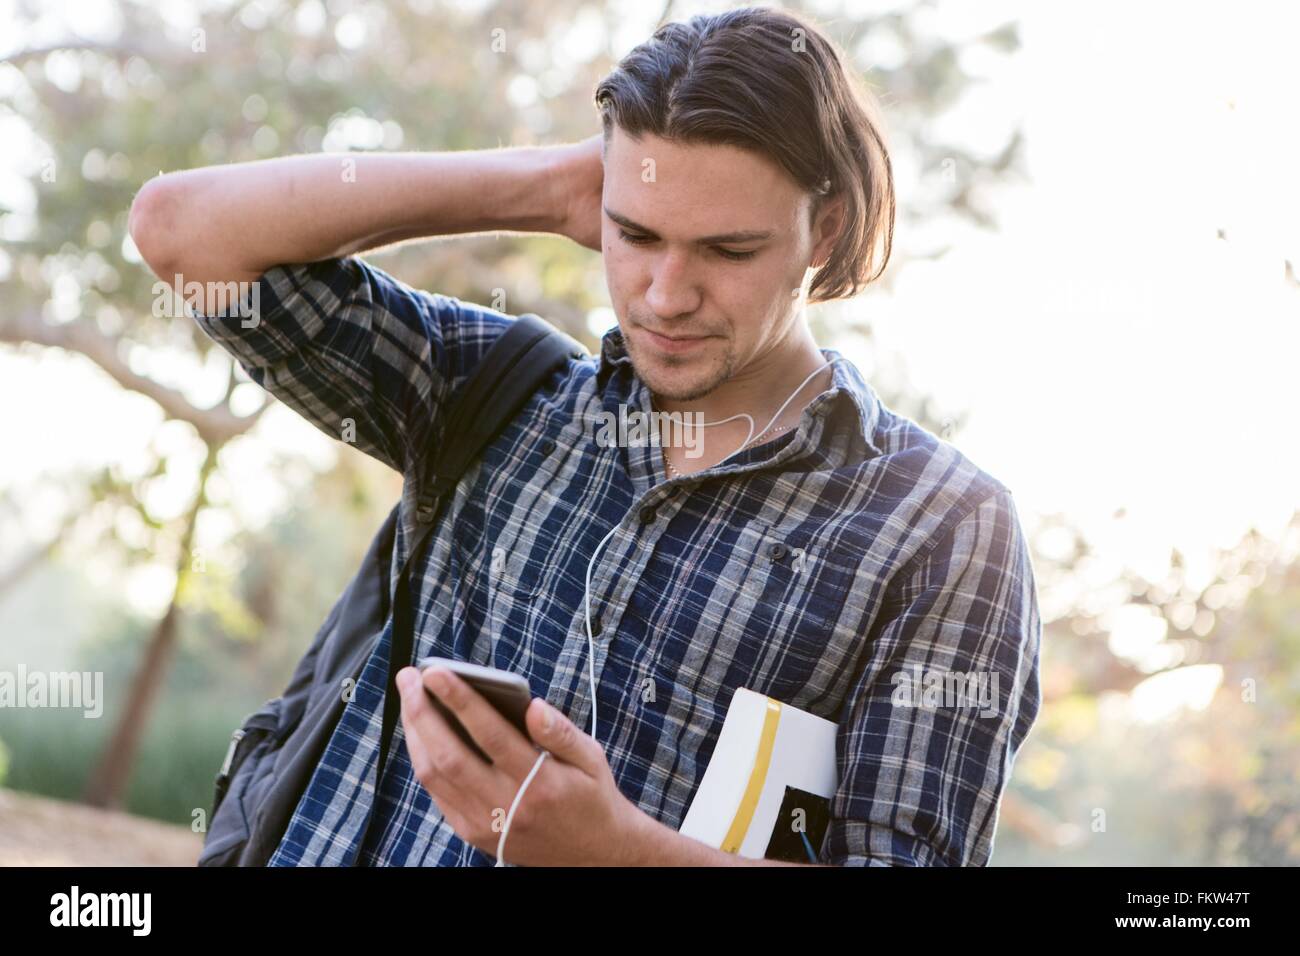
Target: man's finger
(563, 738)
(510, 751)
(441, 752)
(451, 801)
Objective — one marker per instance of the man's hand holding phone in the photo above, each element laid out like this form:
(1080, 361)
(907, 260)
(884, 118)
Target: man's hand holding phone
(572, 813)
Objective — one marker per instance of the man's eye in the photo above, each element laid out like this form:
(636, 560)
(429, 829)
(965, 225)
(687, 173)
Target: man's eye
(731, 254)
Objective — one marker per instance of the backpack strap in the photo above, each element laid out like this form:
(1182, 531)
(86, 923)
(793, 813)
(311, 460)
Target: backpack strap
(512, 369)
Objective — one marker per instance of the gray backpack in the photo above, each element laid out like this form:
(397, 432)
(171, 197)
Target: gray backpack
(274, 753)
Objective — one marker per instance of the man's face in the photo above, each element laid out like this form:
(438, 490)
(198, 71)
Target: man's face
(706, 249)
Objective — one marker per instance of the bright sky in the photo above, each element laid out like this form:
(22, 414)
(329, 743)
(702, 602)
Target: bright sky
(1111, 350)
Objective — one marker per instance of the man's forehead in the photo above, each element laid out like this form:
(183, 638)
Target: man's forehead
(696, 188)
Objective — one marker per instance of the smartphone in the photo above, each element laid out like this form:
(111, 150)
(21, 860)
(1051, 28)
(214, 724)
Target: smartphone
(507, 692)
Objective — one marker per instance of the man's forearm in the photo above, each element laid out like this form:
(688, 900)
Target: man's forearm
(232, 223)
(657, 845)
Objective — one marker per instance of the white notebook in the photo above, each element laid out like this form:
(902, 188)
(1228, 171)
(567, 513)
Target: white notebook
(767, 789)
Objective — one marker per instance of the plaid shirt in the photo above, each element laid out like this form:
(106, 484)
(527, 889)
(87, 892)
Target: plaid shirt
(833, 568)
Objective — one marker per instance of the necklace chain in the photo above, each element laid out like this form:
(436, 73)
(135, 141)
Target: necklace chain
(668, 465)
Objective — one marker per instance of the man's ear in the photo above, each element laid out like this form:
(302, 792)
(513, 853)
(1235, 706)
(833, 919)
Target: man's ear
(827, 226)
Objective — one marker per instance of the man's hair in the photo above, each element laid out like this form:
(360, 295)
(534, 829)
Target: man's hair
(770, 82)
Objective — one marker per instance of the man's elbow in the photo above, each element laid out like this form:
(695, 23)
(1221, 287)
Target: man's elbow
(152, 225)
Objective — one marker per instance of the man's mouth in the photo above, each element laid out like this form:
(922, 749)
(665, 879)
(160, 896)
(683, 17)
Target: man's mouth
(676, 344)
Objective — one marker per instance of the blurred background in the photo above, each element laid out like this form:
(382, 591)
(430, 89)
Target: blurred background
(1094, 295)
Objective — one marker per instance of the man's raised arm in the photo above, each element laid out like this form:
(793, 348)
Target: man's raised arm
(365, 358)
(231, 223)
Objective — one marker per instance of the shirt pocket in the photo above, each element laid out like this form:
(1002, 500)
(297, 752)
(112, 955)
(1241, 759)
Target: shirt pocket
(499, 589)
(776, 613)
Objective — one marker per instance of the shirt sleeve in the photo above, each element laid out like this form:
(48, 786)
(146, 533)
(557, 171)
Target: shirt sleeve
(362, 356)
(947, 696)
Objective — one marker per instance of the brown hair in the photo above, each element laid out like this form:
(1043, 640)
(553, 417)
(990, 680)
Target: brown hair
(768, 81)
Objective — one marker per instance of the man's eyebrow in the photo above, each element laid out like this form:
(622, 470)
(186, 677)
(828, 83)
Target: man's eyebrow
(747, 236)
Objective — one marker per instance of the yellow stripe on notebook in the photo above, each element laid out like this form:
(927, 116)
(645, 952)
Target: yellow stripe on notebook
(754, 789)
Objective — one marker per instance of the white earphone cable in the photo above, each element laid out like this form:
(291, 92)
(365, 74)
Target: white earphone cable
(586, 596)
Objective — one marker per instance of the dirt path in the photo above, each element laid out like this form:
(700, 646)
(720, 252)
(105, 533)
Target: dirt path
(38, 831)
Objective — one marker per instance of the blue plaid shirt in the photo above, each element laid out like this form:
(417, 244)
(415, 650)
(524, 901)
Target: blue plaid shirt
(837, 568)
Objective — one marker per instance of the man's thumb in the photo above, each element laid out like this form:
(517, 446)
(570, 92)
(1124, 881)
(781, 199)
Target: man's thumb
(557, 734)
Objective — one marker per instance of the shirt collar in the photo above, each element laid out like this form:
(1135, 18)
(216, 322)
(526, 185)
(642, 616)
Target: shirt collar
(847, 385)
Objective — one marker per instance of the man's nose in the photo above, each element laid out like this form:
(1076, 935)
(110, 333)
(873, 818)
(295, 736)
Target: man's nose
(673, 287)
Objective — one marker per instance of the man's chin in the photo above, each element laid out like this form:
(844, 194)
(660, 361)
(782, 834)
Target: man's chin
(680, 383)
(679, 379)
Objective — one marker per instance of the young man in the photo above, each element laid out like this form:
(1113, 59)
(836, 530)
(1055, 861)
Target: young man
(818, 554)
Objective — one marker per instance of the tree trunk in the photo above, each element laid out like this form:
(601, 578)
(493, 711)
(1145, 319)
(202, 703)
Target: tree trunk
(107, 784)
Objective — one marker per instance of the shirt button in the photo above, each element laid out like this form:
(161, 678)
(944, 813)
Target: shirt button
(547, 448)
(648, 514)
(777, 551)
